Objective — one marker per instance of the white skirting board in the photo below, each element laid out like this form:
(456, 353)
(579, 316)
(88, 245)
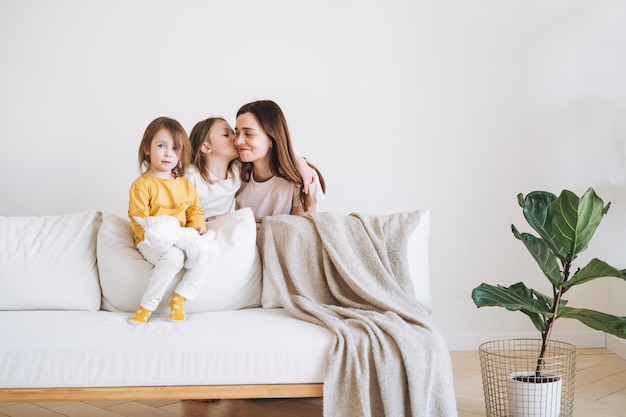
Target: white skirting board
(616, 345)
(580, 339)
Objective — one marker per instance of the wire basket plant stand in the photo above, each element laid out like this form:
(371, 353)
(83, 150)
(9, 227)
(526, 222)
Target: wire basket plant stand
(509, 365)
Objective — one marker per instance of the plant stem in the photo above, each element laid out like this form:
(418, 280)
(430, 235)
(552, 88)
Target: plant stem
(547, 333)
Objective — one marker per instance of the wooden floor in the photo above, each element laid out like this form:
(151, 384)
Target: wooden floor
(600, 384)
(600, 392)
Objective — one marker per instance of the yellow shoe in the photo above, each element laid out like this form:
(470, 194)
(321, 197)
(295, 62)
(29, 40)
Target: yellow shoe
(141, 316)
(177, 307)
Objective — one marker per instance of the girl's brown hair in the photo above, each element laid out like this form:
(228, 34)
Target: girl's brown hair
(282, 159)
(200, 134)
(181, 140)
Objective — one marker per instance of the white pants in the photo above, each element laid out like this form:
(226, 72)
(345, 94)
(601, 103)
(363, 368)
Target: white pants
(166, 267)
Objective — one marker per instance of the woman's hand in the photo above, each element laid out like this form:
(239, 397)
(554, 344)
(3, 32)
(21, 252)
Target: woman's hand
(306, 172)
(210, 219)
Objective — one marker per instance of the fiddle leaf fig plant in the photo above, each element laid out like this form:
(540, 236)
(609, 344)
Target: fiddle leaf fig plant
(565, 226)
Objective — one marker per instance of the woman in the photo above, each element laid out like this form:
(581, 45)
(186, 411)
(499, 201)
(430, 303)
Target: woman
(271, 183)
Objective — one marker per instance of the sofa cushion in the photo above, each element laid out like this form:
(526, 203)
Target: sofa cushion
(233, 274)
(49, 262)
(418, 264)
(53, 349)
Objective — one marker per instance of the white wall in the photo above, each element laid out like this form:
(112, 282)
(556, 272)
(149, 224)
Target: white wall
(454, 106)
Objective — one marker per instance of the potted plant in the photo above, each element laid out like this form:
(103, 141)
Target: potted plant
(565, 226)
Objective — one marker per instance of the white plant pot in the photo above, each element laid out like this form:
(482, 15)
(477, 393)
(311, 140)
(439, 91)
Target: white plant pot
(534, 399)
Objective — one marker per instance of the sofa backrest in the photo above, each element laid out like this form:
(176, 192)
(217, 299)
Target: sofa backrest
(419, 259)
(50, 263)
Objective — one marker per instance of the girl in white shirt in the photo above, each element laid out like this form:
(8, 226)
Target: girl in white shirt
(215, 169)
(271, 183)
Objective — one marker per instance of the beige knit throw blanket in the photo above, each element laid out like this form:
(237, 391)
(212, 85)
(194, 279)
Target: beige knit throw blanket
(350, 275)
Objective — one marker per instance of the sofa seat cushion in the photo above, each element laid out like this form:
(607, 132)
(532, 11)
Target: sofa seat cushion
(45, 349)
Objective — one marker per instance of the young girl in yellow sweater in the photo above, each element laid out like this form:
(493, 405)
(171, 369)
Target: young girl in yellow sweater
(163, 190)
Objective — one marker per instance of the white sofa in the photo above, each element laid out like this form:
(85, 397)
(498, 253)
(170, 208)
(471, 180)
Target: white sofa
(68, 284)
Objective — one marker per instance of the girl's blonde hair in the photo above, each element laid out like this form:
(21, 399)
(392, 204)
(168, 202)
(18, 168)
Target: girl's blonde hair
(181, 141)
(282, 158)
(200, 134)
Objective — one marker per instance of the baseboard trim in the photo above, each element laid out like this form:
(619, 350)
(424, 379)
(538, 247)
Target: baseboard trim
(616, 345)
(582, 339)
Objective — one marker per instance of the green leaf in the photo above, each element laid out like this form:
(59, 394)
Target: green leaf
(596, 320)
(574, 220)
(535, 211)
(594, 269)
(542, 254)
(517, 297)
(547, 300)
